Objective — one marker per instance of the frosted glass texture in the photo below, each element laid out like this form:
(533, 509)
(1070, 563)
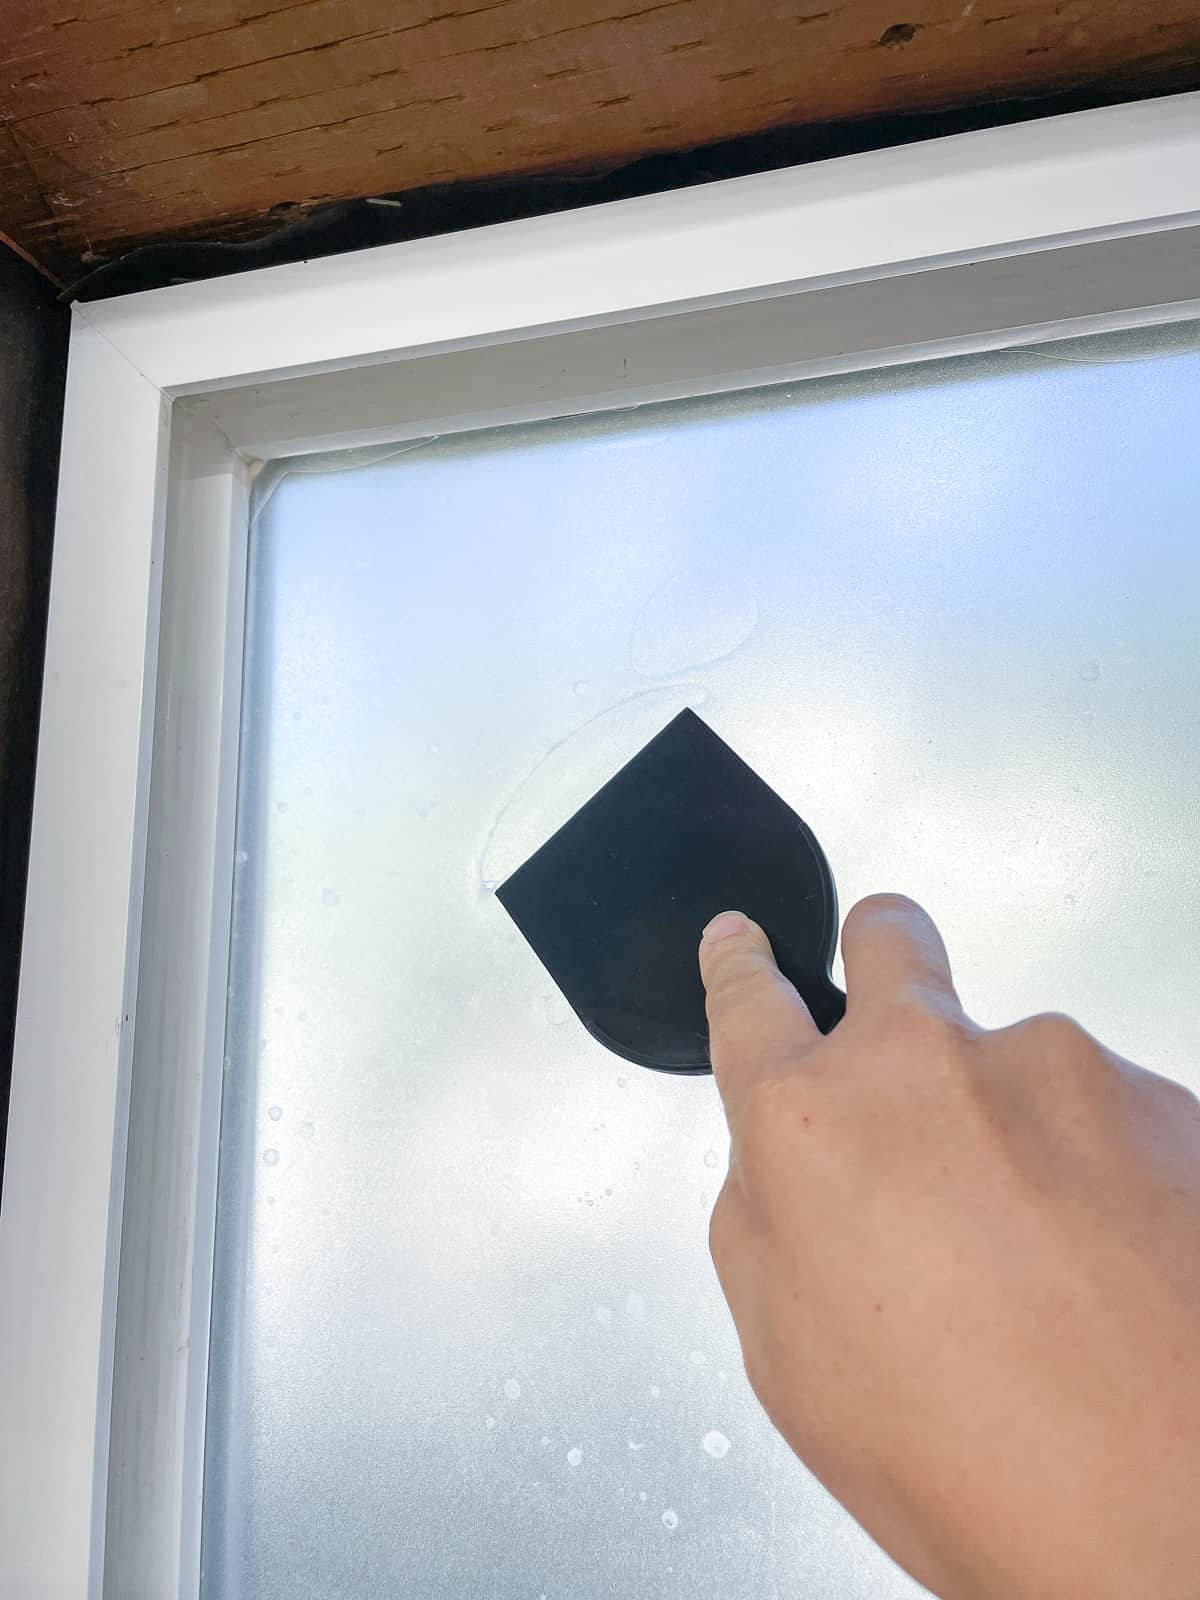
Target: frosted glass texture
(466, 1337)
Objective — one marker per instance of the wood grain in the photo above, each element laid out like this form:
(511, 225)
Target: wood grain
(123, 122)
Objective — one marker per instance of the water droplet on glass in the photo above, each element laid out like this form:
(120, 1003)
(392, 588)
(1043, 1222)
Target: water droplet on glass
(604, 1314)
(1068, 899)
(228, 1062)
(670, 1519)
(270, 1157)
(710, 1158)
(698, 1358)
(580, 686)
(655, 1391)
(512, 1388)
(1089, 671)
(557, 1010)
(643, 1496)
(715, 1444)
(329, 897)
(574, 1456)
(491, 1422)
(281, 805)
(490, 884)
(434, 747)
(275, 1112)
(242, 857)
(634, 1446)
(622, 1083)
(307, 1129)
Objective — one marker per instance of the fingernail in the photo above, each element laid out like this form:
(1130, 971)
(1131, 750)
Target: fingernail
(722, 925)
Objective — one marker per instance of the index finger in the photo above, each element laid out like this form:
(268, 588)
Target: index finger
(757, 1023)
(893, 951)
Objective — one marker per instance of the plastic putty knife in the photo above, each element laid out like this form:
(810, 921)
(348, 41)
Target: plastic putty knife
(615, 901)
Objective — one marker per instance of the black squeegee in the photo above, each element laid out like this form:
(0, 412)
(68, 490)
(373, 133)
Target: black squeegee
(615, 901)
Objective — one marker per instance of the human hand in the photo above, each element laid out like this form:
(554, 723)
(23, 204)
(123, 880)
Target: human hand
(965, 1270)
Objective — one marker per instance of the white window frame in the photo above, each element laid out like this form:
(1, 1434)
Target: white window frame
(990, 239)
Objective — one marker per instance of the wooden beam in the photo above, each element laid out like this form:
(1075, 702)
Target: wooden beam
(125, 122)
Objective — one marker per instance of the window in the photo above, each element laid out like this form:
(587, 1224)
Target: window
(466, 1335)
(1016, 237)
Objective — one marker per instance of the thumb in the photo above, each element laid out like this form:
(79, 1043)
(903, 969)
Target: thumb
(756, 1020)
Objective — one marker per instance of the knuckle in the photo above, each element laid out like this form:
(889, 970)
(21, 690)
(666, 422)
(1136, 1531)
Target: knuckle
(1052, 1033)
(1179, 1098)
(921, 1040)
(1053, 1042)
(914, 1018)
(907, 1013)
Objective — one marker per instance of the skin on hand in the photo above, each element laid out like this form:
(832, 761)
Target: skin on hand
(965, 1269)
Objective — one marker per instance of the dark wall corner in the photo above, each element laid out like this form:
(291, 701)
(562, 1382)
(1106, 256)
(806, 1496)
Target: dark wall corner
(33, 359)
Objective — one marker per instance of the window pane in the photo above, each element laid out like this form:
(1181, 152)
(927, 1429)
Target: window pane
(466, 1336)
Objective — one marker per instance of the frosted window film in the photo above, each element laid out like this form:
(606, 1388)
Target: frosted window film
(466, 1337)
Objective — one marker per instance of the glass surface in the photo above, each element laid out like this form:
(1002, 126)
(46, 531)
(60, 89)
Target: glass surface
(466, 1337)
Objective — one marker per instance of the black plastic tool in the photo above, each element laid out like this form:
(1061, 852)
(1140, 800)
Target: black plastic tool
(615, 901)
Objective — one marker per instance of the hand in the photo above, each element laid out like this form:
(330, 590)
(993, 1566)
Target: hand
(965, 1269)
